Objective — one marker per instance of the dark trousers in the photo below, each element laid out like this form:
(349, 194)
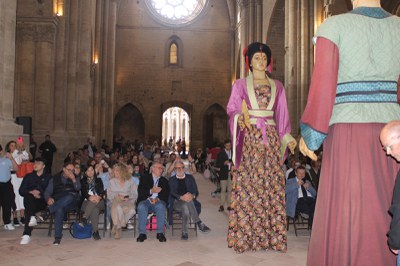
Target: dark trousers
(6, 200)
(32, 206)
(306, 205)
(59, 208)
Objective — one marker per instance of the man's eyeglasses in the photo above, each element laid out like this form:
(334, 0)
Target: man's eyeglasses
(179, 168)
(69, 169)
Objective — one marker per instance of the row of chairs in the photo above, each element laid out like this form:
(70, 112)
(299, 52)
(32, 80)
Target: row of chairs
(76, 215)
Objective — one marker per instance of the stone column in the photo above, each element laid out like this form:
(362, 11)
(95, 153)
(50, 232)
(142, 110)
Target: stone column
(291, 60)
(259, 21)
(243, 7)
(103, 72)
(9, 130)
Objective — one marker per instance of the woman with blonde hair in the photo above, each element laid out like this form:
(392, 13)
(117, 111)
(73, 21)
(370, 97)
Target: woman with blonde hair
(122, 193)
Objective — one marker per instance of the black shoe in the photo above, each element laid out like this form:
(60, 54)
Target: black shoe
(22, 220)
(161, 237)
(57, 241)
(221, 208)
(229, 209)
(141, 238)
(204, 228)
(96, 235)
(184, 236)
(16, 222)
(44, 215)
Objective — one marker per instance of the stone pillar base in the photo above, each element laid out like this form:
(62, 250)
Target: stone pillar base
(11, 131)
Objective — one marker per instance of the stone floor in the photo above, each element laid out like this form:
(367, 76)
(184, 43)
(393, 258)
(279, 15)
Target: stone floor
(205, 249)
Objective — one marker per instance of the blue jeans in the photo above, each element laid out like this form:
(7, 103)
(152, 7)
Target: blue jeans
(143, 210)
(59, 208)
(398, 260)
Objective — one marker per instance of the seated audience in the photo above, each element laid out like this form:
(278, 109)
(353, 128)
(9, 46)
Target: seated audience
(153, 197)
(93, 192)
(122, 193)
(300, 195)
(183, 189)
(62, 195)
(32, 189)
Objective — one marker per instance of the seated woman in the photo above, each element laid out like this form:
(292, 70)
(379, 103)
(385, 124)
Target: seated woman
(122, 193)
(92, 191)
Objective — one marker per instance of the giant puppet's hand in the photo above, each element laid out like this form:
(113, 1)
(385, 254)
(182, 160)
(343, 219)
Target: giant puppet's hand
(292, 146)
(245, 114)
(306, 151)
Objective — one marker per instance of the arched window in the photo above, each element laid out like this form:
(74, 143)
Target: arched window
(173, 54)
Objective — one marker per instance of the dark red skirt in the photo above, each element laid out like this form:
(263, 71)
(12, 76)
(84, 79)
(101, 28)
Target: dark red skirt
(354, 195)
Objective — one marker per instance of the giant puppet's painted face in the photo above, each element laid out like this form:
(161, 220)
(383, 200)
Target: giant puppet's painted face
(259, 61)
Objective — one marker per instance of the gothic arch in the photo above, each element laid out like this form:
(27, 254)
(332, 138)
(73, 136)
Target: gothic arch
(129, 123)
(178, 42)
(215, 125)
(185, 106)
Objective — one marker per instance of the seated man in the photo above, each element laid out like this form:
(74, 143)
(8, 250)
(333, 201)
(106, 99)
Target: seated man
(32, 189)
(62, 195)
(300, 195)
(153, 193)
(183, 193)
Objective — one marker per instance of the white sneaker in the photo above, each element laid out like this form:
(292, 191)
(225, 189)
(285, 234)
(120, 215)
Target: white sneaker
(25, 240)
(65, 226)
(9, 226)
(108, 226)
(129, 226)
(32, 221)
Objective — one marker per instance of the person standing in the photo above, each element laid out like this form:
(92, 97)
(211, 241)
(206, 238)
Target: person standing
(32, 148)
(7, 164)
(260, 127)
(224, 164)
(353, 93)
(47, 149)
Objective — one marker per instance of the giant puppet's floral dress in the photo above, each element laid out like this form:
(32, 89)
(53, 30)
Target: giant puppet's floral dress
(258, 219)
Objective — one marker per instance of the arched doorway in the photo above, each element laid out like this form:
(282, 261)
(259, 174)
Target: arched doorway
(175, 127)
(215, 129)
(129, 123)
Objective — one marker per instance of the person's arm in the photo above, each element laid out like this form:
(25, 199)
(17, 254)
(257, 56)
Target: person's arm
(291, 186)
(14, 165)
(49, 190)
(24, 188)
(173, 187)
(144, 188)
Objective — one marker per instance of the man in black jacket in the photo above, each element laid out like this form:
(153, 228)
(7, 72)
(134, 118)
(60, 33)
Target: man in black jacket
(153, 193)
(47, 149)
(32, 189)
(224, 163)
(62, 195)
